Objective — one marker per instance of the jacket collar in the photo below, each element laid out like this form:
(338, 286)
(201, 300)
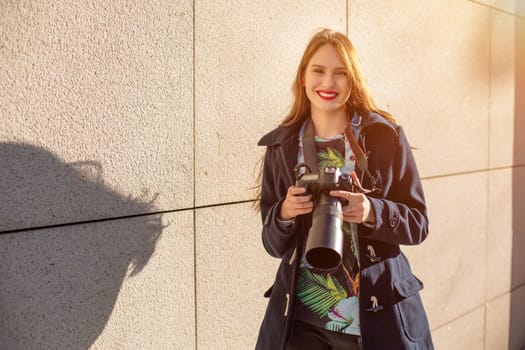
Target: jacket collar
(373, 120)
(280, 136)
(287, 135)
(287, 140)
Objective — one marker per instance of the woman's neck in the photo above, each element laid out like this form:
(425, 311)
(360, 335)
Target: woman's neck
(329, 124)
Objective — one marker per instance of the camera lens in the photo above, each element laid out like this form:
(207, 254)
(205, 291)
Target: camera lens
(324, 245)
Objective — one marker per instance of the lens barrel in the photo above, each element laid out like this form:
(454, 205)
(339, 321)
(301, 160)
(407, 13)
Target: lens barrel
(324, 246)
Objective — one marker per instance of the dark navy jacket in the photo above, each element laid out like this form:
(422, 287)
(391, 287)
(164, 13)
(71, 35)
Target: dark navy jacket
(391, 313)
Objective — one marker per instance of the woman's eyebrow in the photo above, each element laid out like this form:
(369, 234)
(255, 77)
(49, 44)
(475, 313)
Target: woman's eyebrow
(321, 66)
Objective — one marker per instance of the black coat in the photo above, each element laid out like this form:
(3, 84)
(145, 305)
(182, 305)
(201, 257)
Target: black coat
(398, 321)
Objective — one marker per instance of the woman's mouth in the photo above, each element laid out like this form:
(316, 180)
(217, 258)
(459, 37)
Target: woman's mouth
(326, 95)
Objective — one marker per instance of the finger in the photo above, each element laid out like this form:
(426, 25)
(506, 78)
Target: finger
(301, 199)
(336, 193)
(292, 190)
(300, 206)
(301, 211)
(357, 217)
(347, 218)
(352, 218)
(355, 199)
(352, 211)
(342, 194)
(304, 211)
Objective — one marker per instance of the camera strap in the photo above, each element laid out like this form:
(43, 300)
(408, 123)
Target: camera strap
(309, 149)
(360, 158)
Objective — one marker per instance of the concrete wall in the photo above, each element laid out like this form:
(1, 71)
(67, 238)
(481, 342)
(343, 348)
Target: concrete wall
(127, 143)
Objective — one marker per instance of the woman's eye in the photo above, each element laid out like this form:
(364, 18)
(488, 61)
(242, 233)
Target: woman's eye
(318, 71)
(341, 73)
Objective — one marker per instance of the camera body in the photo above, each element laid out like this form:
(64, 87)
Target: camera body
(328, 180)
(324, 245)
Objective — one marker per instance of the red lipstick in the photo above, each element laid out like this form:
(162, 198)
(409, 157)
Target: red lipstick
(326, 95)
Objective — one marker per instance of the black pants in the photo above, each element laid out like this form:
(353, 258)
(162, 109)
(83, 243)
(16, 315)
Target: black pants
(307, 337)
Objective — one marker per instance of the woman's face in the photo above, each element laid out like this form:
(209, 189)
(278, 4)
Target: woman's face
(326, 80)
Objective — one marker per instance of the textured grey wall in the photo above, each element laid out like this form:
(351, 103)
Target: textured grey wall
(128, 138)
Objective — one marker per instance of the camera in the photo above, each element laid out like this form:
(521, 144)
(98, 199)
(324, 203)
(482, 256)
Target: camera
(324, 246)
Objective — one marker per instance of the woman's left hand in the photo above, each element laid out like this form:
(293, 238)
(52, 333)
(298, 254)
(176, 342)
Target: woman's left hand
(358, 208)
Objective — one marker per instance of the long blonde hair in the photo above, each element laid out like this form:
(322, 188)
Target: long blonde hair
(359, 100)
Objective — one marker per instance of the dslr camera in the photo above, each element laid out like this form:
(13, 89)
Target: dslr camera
(324, 245)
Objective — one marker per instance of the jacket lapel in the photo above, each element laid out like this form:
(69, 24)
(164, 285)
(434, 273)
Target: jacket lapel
(286, 142)
(288, 154)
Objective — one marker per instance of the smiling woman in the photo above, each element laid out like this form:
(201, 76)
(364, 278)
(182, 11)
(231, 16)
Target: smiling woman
(367, 300)
(326, 85)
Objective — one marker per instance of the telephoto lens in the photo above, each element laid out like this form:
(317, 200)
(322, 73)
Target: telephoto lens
(324, 246)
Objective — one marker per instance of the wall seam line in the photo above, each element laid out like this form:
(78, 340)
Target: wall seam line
(94, 221)
(470, 172)
(346, 11)
(213, 205)
(194, 210)
(488, 181)
(497, 9)
(510, 291)
(522, 285)
(458, 317)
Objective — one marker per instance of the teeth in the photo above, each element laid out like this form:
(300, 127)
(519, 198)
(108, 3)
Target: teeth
(327, 94)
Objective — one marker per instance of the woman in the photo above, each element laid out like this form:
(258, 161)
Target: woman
(371, 298)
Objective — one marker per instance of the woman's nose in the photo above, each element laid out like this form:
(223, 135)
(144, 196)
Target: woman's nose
(329, 80)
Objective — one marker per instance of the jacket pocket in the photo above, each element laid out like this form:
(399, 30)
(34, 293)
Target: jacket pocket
(410, 308)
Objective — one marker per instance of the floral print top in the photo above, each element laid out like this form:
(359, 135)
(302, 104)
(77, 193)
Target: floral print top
(330, 299)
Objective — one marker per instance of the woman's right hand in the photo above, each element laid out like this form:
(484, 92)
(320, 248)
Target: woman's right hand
(297, 202)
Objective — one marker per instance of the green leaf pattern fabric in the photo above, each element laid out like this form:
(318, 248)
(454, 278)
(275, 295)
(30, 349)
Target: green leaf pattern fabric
(320, 293)
(330, 299)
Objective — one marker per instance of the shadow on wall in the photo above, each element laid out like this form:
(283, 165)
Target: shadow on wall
(58, 286)
(517, 304)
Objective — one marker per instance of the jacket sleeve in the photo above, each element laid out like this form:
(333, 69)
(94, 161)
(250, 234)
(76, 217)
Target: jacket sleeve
(400, 209)
(276, 237)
